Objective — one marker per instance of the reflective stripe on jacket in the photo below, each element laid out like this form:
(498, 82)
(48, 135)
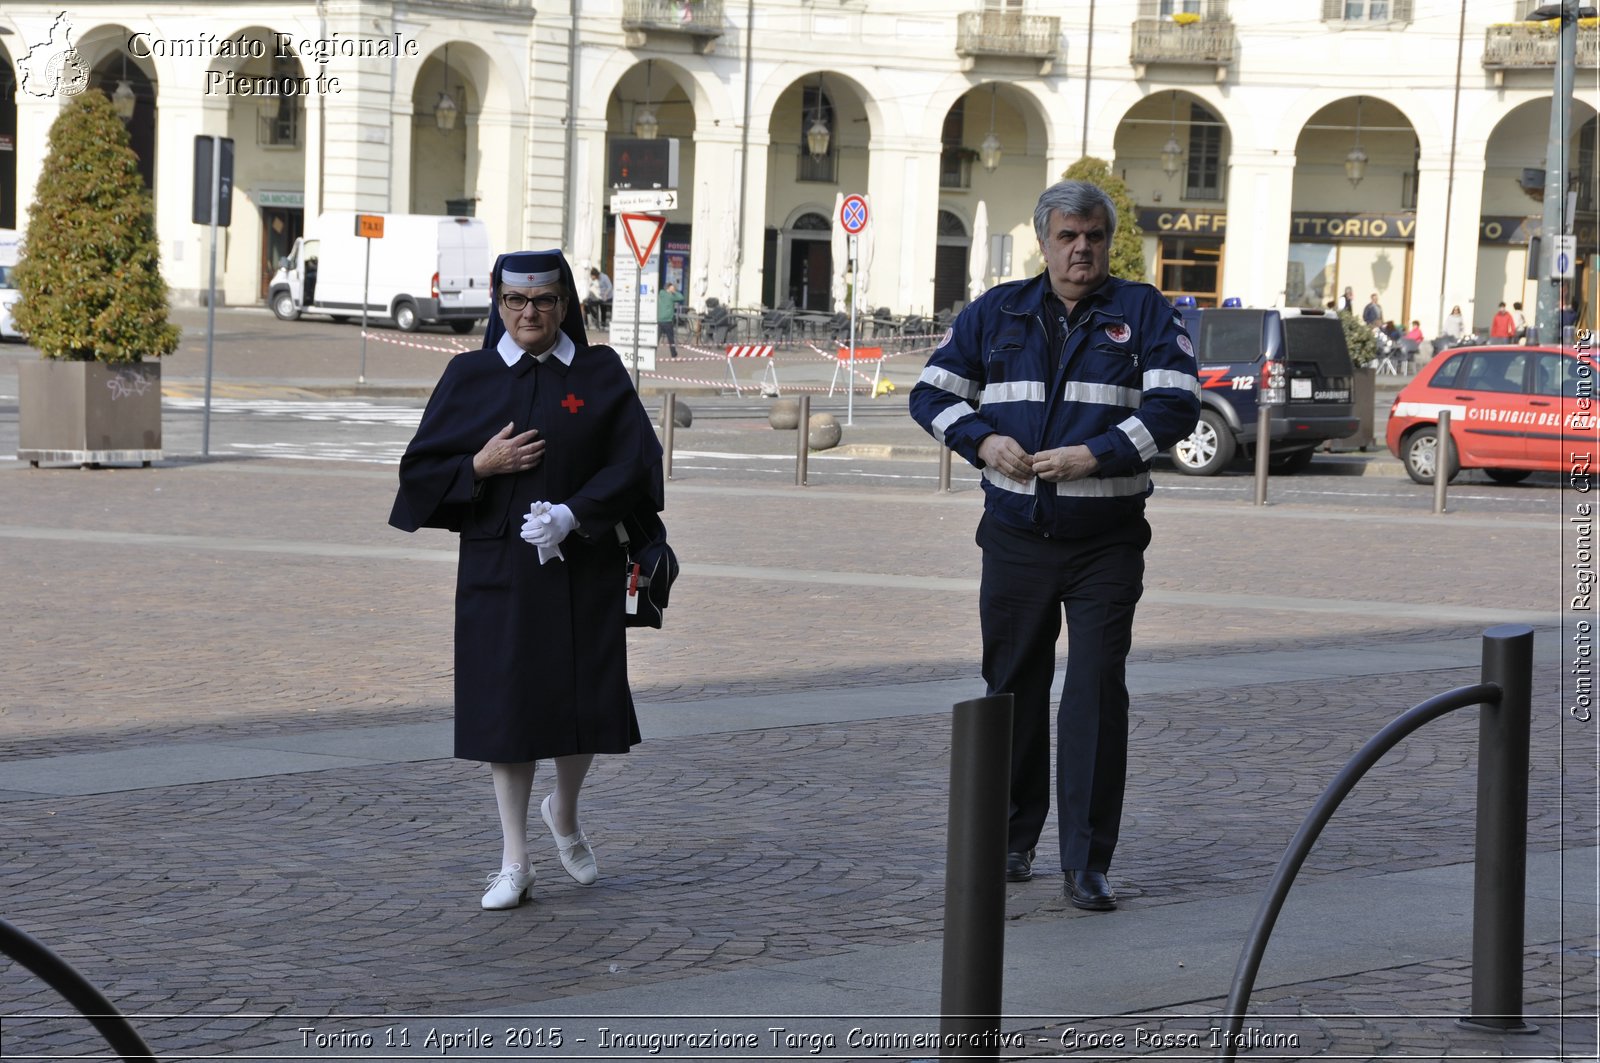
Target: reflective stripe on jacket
(1124, 384)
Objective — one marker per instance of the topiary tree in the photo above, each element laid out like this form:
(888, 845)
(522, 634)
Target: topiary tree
(1127, 247)
(90, 268)
(1358, 336)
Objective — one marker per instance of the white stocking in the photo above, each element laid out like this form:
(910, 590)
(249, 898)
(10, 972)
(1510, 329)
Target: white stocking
(570, 772)
(512, 785)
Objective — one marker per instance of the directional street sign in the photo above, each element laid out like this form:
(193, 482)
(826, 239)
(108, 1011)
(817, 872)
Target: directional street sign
(644, 199)
(853, 214)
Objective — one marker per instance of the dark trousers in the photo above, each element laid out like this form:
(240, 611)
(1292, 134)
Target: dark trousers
(1028, 582)
(668, 330)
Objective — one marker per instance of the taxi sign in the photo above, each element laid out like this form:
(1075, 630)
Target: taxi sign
(370, 226)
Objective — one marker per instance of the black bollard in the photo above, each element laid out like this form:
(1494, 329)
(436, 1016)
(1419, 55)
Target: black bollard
(974, 878)
(1263, 451)
(1443, 455)
(1500, 878)
(669, 420)
(803, 445)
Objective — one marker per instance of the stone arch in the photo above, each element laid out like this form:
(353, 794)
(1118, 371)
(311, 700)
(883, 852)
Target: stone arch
(105, 53)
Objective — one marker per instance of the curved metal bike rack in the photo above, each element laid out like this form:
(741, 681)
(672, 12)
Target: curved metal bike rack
(61, 976)
(1500, 884)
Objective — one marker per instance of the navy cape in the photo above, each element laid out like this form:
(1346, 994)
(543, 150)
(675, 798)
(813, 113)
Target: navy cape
(541, 653)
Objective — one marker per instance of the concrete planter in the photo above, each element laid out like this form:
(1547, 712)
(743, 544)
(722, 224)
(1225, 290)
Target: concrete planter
(88, 412)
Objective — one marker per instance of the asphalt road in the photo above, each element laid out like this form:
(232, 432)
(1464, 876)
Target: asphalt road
(290, 390)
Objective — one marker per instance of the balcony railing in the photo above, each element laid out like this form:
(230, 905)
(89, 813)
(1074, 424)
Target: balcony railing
(1007, 34)
(1203, 43)
(694, 18)
(1528, 46)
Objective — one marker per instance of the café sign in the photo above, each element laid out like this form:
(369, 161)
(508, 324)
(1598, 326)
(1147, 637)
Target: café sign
(1304, 226)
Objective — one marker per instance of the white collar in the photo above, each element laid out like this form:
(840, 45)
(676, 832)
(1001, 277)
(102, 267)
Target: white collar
(511, 354)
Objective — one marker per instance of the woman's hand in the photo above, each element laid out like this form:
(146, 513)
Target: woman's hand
(547, 525)
(506, 453)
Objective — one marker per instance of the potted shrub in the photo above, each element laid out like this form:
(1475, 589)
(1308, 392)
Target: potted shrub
(93, 301)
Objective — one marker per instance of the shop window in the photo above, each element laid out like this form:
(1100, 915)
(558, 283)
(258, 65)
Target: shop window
(815, 104)
(955, 161)
(1188, 266)
(1204, 178)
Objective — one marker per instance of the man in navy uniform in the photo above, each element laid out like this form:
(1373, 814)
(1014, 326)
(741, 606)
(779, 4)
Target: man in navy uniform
(1061, 389)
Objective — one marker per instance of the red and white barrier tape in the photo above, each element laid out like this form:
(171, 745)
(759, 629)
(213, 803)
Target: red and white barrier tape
(386, 338)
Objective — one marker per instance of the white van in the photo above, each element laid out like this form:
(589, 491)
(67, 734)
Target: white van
(426, 269)
(9, 296)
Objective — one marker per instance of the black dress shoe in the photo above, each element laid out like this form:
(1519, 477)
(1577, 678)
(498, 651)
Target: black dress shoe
(1019, 866)
(1090, 891)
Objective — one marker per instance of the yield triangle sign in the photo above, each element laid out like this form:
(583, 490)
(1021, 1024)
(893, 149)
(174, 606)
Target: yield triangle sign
(642, 232)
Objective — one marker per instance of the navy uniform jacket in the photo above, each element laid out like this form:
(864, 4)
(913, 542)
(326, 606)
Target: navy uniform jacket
(541, 657)
(1119, 377)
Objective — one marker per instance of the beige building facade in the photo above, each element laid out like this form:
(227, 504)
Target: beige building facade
(1277, 153)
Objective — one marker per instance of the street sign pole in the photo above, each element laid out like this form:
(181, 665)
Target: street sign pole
(211, 297)
(1547, 314)
(370, 227)
(638, 308)
(850, 405)
(366, 283)
(853, 217)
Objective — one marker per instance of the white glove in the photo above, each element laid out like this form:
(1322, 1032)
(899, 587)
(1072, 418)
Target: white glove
(547, 525)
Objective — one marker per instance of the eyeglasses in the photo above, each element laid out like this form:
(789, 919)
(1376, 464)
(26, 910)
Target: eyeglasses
(516, 302)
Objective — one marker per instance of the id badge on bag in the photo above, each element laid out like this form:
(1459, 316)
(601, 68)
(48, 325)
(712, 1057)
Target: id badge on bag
(631, 590)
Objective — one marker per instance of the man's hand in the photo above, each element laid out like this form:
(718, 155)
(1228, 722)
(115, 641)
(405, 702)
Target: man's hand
(506, 453)
(1065, 463)
(1006, 456)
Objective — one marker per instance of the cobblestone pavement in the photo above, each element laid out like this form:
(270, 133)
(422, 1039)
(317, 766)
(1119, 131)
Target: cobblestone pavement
(258, 599)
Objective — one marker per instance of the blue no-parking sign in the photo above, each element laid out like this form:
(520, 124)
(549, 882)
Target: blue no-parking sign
(853, 214)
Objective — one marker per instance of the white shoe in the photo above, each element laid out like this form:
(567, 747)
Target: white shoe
(576, 856)
(508, 889)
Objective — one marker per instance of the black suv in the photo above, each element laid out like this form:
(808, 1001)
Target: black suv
(1231, 343)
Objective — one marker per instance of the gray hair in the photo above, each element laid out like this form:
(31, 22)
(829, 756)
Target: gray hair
(1077, 199)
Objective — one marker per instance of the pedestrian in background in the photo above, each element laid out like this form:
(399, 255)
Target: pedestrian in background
(1503, 327)
(1372, 313)
(1455, 326)
(597, 301)
(1061, 389)
(1520, 320)
(533, 449)
(1410, 346)
(667, 303)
